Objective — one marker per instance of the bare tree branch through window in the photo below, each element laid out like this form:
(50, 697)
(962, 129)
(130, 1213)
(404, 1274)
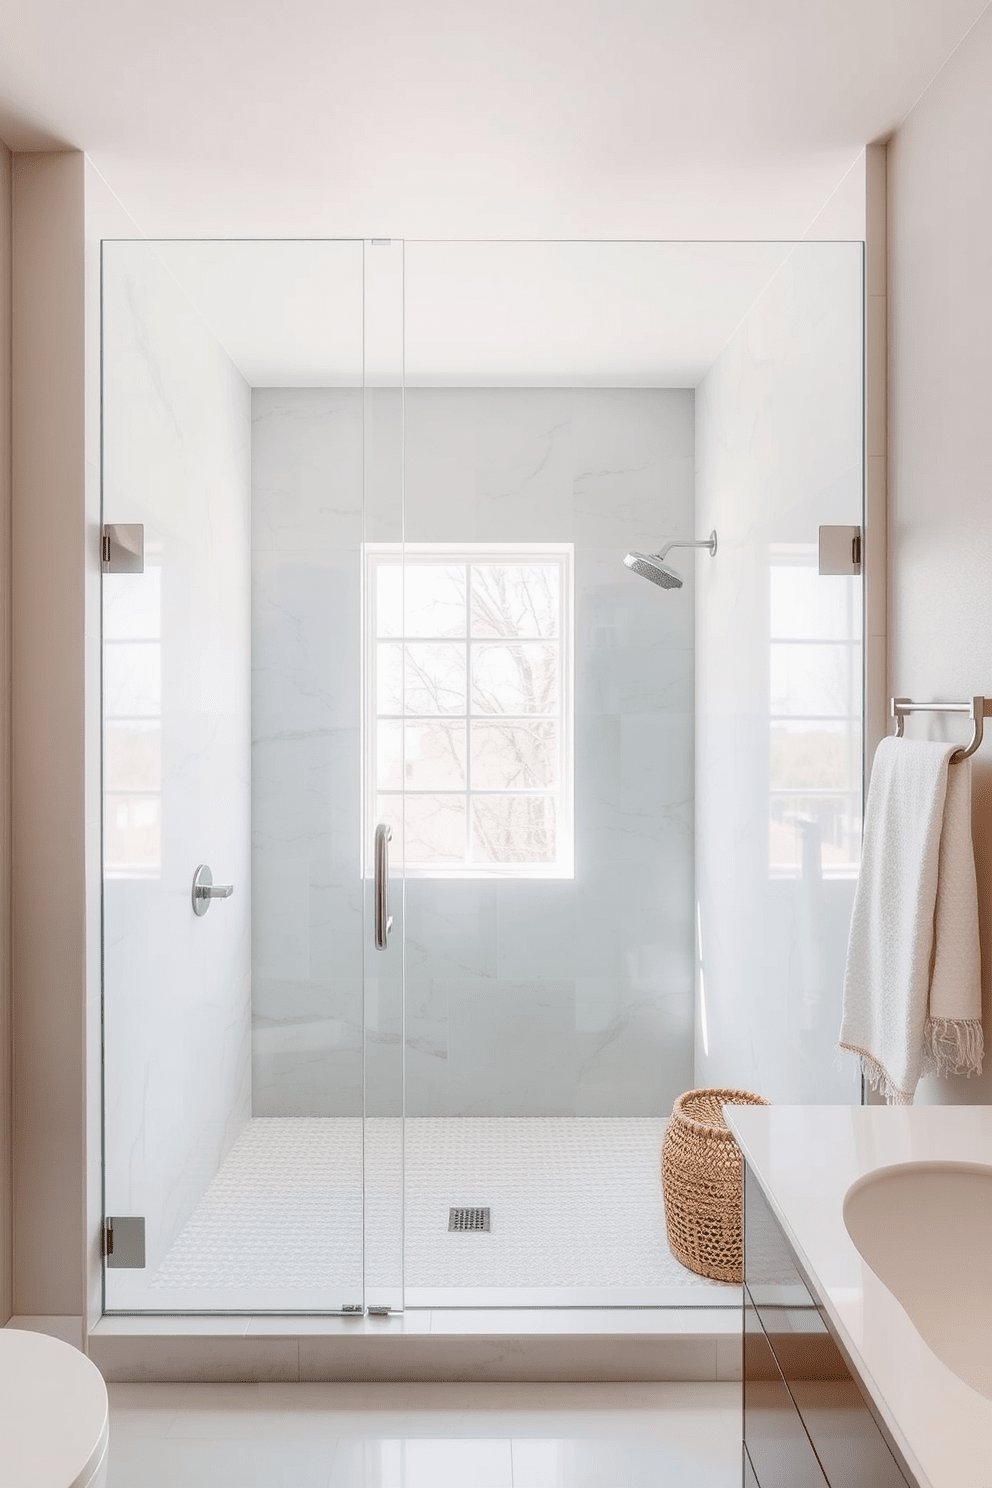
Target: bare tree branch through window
(471, 733)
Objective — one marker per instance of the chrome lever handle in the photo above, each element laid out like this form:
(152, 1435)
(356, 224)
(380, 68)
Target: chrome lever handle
(204, 890)
(383, 919)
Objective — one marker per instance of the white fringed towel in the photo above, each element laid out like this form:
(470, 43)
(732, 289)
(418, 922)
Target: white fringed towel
(912, 988)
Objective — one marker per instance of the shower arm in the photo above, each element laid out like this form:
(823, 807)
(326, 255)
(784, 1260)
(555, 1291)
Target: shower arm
(706, 542)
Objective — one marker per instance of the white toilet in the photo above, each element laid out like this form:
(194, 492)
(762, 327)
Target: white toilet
(54, 1420)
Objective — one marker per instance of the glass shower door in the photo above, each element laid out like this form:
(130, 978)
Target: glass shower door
(384, 875)
(241, 433)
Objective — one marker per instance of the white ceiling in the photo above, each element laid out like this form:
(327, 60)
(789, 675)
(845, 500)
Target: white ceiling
(290, 314)
(624, 119)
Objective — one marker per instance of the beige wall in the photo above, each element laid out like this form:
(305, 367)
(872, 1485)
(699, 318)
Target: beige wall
(6, 1114)
(940, 431)
(48, 839)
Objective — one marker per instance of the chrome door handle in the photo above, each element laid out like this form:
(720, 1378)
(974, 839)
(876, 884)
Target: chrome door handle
(383, 919)
(204, 890)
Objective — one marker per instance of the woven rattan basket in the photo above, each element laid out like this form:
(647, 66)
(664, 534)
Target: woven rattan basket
(703, 1181)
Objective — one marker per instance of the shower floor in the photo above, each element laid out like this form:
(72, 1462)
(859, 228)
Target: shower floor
(576, 1208)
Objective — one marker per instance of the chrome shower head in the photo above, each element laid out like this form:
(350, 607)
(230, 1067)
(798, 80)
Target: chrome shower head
(651, 568)
(652, 565)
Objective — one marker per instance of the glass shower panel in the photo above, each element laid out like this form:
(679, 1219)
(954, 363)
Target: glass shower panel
(234, 1046)
(779, 683)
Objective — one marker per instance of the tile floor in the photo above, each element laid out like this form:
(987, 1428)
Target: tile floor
(576, 1205)
(425, 1436)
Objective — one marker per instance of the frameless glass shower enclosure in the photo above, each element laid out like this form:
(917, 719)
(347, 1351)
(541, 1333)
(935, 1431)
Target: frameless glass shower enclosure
(401, 950)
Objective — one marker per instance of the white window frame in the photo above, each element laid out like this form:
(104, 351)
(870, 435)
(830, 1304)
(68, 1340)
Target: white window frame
(468, 553)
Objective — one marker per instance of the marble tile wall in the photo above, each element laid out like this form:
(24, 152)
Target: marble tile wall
(523, 997)
(307, 946)
(778, 452)
(176, 689)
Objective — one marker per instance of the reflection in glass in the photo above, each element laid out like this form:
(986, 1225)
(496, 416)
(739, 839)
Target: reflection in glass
(803, 607)
(809, 755)
(811, 679)
(814, 764)
(132, 606)
(132, 679)
(132, 737)
(837, 823)
(132, 755)
(132, 834)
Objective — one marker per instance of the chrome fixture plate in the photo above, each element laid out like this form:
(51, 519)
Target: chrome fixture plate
(475, 1221)
(204, 890)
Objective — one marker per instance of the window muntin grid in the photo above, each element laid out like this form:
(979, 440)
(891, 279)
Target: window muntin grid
(468, 727)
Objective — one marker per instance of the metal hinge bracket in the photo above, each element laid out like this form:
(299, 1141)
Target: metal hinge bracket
(840, 550)
(124, 1242)
(122, 547)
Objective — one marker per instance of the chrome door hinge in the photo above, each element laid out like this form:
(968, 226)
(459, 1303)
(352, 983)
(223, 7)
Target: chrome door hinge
(124, 1242)
(122, 547)
(840, 550)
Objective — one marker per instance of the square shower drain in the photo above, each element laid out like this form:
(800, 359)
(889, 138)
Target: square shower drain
(468, 1219)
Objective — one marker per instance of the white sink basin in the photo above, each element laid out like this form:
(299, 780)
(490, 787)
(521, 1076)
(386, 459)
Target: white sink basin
(925, 1229)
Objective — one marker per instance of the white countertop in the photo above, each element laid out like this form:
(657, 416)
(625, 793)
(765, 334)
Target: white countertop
(806, 1158)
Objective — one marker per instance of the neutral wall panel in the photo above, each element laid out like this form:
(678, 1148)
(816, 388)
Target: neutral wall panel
(6, 1113)
(48, 854)
(940, 434)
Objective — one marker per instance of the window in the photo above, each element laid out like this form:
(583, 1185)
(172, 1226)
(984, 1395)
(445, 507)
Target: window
(815, 705)
(468, 737)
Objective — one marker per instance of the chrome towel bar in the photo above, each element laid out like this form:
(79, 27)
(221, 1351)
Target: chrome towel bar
(977, 710)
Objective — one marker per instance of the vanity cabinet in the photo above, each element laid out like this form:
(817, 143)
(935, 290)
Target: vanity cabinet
(807, 1423)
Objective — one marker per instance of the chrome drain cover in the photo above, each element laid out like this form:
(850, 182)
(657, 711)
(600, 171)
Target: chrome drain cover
(468, 1219)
